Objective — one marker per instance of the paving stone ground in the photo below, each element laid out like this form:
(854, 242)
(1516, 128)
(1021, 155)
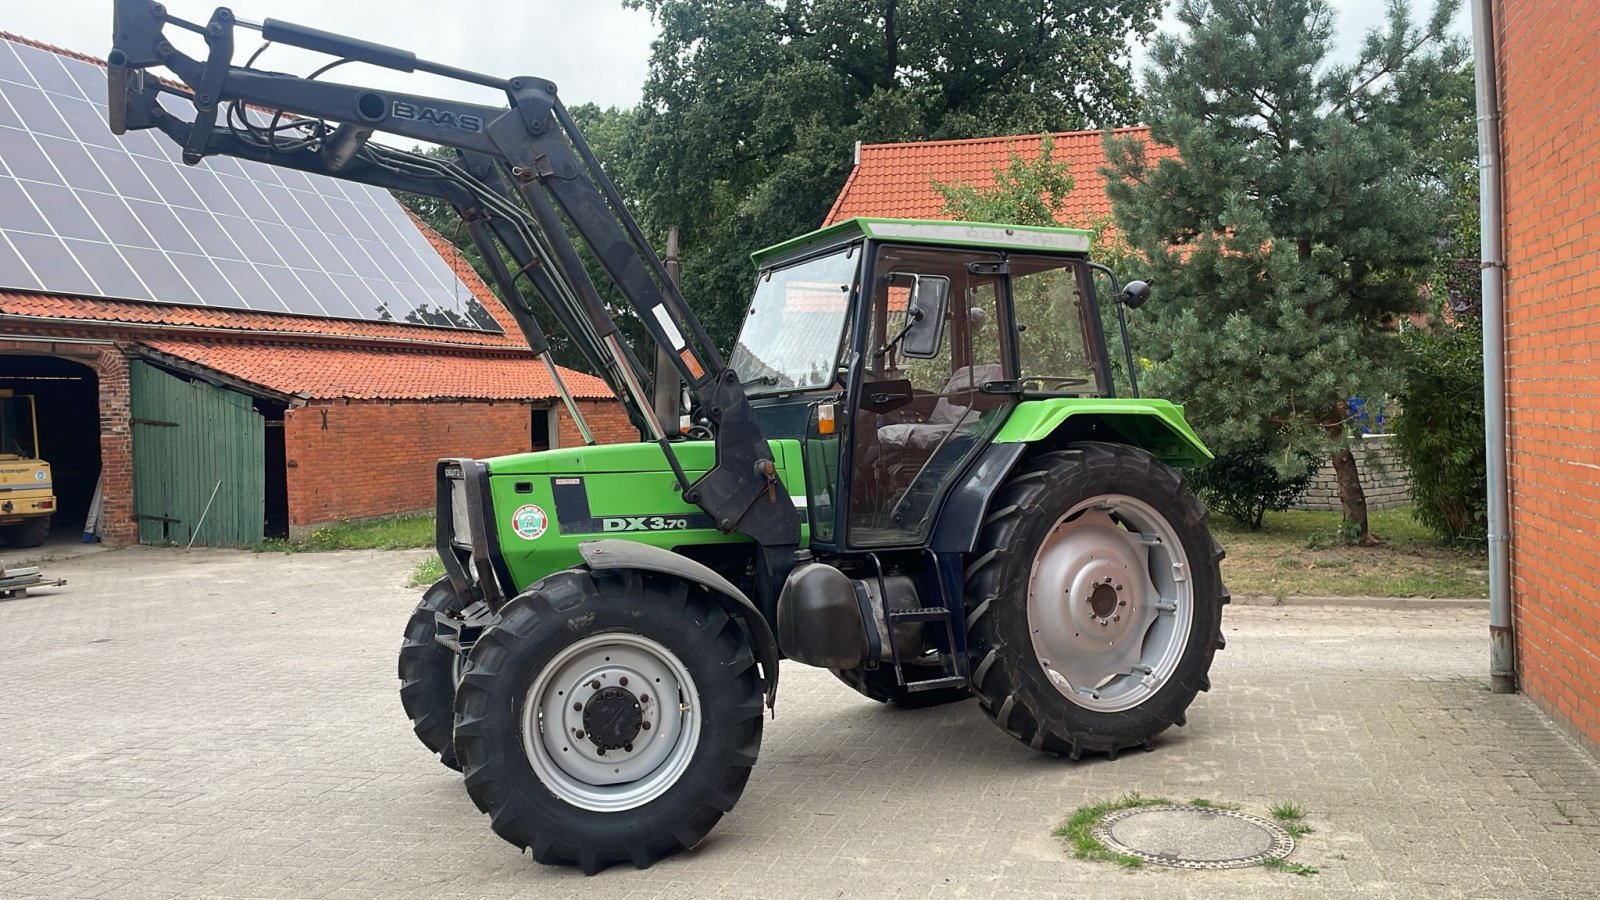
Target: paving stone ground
(224, 724)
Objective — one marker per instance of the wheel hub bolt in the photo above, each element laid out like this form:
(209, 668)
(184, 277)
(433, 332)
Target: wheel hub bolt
(600, 750)
(627, 748)
(623, 681)
(645, 698)
(595, 684)
(1116, 618)
(578, 733)
(645, 726)
(577, 707)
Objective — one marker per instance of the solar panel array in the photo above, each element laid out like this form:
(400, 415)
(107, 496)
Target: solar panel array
(85, 212)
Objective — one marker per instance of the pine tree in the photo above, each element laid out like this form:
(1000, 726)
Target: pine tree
(1296, 224)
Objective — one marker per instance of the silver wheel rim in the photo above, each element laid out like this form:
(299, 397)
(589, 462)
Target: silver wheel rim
(627, 675)
(1110, 603)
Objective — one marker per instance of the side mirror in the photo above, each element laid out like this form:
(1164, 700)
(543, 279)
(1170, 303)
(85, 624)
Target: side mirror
(1135, 293)
(925, 311)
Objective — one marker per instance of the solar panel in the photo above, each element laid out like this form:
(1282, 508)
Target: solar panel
(85, 212)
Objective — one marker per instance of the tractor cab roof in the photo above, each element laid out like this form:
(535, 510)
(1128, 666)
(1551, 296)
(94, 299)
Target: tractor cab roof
(939, 232)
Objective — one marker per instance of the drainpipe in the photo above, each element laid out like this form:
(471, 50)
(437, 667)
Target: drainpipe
(1502, 643)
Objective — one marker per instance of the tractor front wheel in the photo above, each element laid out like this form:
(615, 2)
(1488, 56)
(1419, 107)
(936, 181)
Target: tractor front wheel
(1096, 601)
(609, 717)
(429, 672)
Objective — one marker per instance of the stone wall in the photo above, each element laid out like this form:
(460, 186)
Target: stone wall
(1384, 478)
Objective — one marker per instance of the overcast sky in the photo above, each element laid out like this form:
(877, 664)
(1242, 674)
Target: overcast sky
(595, 50)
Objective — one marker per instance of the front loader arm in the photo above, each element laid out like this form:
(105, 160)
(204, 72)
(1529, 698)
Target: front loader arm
(551, 171)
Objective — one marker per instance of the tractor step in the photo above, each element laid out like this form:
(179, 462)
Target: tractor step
(459, 634)
(924, 614)
(934, 684)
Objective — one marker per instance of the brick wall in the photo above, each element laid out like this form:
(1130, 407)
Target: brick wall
(1384, 478)
(358, 459)
(607, 421)
(117, 525)
(1551, 156)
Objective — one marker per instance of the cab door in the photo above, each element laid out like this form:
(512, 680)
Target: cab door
(917, 422)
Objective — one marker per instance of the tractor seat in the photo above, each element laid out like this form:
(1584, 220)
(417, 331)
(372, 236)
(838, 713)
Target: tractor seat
(948, 414)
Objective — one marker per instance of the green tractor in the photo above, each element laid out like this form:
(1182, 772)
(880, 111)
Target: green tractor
(913, 471)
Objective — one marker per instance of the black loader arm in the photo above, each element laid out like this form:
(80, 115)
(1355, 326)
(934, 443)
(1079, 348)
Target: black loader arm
(524, 180)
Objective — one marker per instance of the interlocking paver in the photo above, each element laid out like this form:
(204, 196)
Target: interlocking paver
(225, 724)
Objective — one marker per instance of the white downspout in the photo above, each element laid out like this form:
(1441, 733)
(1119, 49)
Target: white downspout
(1502, 643)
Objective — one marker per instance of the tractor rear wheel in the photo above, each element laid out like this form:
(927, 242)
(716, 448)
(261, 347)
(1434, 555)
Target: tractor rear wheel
(429, 672)
(1096, 601)
(880, 685)
(609, 717)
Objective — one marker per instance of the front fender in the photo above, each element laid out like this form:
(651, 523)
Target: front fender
(610, 553)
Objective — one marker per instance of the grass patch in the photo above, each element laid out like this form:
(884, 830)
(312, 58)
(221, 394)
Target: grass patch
(1300, 552)
(1076, 830)
(1290, 868)
(426, 572)
(1202, 803)
(1291, 818)
(394, 533)
(1287, 812)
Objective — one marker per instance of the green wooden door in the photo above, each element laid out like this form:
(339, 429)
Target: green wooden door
(191, 440)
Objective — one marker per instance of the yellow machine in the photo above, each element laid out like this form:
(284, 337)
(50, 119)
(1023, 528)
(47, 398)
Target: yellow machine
(27, 496)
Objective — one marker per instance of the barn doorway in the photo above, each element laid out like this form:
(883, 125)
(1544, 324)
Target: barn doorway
(66, 397)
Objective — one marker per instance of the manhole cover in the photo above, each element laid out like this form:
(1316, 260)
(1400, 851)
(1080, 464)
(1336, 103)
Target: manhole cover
(1193, 837)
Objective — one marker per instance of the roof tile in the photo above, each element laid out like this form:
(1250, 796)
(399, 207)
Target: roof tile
(331, 372)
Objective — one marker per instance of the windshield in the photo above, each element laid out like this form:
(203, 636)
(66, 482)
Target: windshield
(792, 335)
(16, 426)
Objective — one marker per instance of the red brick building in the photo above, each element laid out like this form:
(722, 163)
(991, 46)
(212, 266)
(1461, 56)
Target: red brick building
(1549, 92)
(344, 416)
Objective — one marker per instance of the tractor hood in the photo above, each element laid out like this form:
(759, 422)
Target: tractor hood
(696, 457)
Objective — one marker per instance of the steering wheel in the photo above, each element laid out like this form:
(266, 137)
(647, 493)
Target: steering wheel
(1051, 382)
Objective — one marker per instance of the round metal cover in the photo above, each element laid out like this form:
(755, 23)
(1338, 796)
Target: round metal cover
(1193, 837)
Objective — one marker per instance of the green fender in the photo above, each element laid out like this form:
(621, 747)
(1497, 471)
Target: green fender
(1156, 426)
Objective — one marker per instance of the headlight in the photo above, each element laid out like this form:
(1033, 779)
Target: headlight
(460, 519)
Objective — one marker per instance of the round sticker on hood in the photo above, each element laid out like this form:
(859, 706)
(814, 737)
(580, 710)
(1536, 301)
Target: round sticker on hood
(529, 522)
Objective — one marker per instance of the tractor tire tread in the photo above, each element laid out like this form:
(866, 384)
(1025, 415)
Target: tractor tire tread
(426, 689)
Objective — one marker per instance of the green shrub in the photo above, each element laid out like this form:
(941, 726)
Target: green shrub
(1439, 431)
(1245, 482)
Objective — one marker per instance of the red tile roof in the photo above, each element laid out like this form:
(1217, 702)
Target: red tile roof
(332, 372)
(896, 180)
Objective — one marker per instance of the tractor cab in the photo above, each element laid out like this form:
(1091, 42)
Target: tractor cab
(897, 349)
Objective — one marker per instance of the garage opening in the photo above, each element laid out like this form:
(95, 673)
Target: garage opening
(276, 484)
(66, 396)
